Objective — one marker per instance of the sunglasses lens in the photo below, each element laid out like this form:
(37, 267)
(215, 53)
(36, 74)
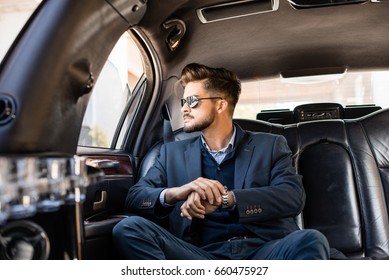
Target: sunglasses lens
(192, 101)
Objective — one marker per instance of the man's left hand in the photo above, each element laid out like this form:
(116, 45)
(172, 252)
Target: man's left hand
(195, 207)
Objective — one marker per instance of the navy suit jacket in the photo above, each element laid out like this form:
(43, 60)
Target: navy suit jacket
(269, 193)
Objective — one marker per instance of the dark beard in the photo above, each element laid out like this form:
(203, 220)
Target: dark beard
(200, 126)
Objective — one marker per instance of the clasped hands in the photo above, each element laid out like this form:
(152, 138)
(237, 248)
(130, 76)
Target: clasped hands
(201, 197)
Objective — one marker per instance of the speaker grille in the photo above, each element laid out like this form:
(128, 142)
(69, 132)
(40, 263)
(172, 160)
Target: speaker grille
(7, 109)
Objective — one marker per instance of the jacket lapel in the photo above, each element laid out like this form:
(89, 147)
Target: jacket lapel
(193, 171)
(193, 160)
(244, 152)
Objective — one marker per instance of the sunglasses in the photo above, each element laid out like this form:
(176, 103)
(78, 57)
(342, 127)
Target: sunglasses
(193, 100)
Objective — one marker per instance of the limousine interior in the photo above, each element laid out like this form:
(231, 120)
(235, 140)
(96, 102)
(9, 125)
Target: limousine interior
(88, 94)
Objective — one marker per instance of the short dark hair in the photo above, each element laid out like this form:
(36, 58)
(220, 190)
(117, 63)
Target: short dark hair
(218, 80)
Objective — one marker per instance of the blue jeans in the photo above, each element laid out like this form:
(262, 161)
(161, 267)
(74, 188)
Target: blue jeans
(137, 238)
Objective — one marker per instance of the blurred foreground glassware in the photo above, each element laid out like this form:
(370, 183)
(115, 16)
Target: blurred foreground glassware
(6, 189)
(54, 183)
(25, 174)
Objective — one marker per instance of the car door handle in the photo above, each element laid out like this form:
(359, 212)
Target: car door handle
(104, 163)
(98, 205)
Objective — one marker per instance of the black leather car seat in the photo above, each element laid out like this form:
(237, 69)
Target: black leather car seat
(345, 169)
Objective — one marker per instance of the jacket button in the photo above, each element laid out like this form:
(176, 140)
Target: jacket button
(247, 212)
(259, 210)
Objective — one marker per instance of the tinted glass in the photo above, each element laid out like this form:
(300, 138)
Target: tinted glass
(111, 94)
(353, 88)
(13, 16)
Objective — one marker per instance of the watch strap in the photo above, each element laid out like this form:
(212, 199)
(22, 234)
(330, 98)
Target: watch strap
(225, 204)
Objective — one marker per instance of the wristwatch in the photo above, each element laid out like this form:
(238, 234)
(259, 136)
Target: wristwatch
(225, 204)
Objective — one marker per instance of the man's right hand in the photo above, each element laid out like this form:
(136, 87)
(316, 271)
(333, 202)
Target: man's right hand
(208, 190)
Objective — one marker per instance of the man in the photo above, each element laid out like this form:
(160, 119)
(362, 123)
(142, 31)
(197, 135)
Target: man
(229, 193)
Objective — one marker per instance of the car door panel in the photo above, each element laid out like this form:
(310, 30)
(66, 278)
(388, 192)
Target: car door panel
(104, 203)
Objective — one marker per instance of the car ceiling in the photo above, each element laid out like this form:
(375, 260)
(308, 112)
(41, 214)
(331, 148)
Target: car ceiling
(263, 45)
(50, 84)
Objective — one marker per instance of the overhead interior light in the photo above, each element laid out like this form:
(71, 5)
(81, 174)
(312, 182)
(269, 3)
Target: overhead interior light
(313, 76)
(306, 4)
(236, 9)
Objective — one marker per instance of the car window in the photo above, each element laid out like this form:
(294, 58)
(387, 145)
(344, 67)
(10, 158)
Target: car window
(114, 89)
(13, 15)
(350, 89)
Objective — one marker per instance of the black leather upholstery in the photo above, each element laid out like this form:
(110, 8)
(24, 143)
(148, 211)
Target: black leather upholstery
(345, 169)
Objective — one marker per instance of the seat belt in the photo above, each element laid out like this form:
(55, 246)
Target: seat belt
(168, 135)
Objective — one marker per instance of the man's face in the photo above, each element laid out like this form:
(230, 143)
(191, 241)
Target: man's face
(203, 114)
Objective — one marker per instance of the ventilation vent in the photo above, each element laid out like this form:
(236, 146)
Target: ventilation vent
(306, 4)
(236, 9)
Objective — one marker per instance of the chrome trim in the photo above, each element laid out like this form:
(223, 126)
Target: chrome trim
(98, 205)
